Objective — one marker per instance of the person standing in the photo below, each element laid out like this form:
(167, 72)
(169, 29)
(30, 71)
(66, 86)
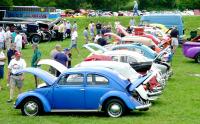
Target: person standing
(61, 31)
(91, 28)
(35, 59)
(18, 41)
(135, 8)
(85, 34)
(74, 27)
(53, 54)
(174, 35)
(2, 62)
(98, 27)
(2, 38)
(8, 38)
(16, 80)
(62, 58)
(68, 29)
(132, 23)
(74, 39)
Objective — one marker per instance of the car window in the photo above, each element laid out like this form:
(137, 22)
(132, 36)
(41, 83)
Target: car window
(71, 79)
(115, 58)
(94, 79)
(131, 60)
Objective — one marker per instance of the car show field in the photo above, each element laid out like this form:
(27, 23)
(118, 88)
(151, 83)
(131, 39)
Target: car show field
(179, 102)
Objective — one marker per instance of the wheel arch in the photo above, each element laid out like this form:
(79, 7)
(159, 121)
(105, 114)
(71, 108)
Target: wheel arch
(130, 104)
(44, 102)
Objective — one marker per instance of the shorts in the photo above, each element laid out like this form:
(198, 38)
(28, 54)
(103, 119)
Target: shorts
(1, 45)
(174, 42)
(1, 71)
(73, 46)
(16, 82)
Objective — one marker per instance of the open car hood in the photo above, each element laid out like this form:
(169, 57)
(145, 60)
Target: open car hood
(58, 66)
(141, 80)
(48, 78)
(95, 48)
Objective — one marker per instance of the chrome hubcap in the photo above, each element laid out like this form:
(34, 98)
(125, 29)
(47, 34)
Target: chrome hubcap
(31, 108)
(115, 110)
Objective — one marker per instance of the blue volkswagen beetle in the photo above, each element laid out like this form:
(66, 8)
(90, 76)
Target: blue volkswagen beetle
(83, 89)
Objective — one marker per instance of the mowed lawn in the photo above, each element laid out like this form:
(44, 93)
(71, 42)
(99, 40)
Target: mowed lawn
(179, 103)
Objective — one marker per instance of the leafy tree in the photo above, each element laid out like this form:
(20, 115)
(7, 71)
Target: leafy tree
(6, 3)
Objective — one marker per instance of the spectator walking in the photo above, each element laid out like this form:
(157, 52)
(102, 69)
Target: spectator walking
(8, 38)
(2, 38)
(16, 80)
(174, 35)
(2, 62)
(62, 58)
(18, 41)
(35, 59)
(85, 34)
(74, 39)
(135, 8)
(68, 29)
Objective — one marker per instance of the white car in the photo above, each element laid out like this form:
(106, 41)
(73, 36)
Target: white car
(127, 57)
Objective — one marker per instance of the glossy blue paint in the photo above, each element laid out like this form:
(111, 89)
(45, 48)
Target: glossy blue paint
(41, 97)
(83, 96)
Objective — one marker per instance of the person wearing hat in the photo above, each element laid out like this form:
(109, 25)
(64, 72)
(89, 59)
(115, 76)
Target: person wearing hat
(35, 59)
(62, 58)
(174, 36)
(15, 80)
(2, 62)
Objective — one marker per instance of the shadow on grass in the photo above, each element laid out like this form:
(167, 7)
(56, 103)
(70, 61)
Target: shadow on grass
(88, 114)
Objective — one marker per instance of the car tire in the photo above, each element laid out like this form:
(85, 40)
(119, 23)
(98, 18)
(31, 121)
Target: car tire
(114, 108)
(197, 59)
(35, 38)
(31, 107)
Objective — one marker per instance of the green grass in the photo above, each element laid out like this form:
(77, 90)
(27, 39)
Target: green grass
(178, 104)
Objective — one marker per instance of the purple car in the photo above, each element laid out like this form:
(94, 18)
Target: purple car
(192, 50)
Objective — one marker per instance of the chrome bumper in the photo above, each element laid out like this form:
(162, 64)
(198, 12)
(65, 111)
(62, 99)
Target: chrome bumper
(141, 107)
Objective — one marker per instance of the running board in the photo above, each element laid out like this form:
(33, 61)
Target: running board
(71, 110)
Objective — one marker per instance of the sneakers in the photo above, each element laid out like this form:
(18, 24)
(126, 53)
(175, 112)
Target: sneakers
(10, 100)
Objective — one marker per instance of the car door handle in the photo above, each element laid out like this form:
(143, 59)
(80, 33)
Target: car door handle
(82, 89)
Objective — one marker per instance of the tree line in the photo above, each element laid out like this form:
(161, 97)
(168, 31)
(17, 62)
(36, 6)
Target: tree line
(113, 5)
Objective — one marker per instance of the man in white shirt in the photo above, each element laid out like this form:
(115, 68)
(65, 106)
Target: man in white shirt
(2, 62)
(2, 37)
(16, 80)
(18, 41)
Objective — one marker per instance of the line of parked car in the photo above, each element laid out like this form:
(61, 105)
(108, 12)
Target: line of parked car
(116, 79)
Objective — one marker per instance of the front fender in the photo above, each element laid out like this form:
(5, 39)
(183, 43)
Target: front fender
(129, 101)
(44, 101)
(192, 52)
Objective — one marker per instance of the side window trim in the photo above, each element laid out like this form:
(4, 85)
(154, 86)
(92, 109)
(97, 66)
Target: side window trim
(106, 84)
(82, 83)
